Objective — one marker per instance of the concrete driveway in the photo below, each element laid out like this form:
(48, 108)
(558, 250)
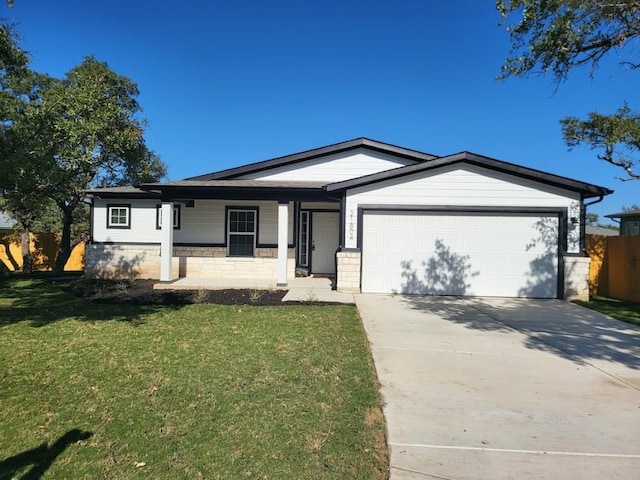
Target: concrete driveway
(505, 388)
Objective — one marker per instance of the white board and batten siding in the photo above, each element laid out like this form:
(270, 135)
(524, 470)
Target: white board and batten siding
(202, 224)
(461, 186)
(333, 168)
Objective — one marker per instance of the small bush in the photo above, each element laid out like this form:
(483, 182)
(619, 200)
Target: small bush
(200, 296)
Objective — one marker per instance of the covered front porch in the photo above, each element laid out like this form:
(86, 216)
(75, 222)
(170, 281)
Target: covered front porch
(239, 232)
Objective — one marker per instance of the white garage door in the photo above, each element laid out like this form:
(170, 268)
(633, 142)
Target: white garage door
(504, 255)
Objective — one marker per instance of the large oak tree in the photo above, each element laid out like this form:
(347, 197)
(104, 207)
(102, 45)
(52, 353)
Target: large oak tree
(60, 137)
(557, 36)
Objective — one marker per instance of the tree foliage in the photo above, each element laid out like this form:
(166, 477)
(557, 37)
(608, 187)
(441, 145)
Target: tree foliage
(631, 208)
(556, 36)
(60, 137)
(617, 136)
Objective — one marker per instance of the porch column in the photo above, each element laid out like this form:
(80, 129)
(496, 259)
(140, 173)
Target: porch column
(166, 242)
(283, 242)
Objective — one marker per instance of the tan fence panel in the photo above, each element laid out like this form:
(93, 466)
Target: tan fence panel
(621, 264)
(596, 246)
(43, 247)
(620, 274)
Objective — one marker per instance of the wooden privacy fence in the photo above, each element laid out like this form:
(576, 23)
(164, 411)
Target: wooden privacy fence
(615, 266)
(43, 247)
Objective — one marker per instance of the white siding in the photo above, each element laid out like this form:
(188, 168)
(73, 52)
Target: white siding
(460, 186)
(142, 221)
(333, 168)
(204, 223)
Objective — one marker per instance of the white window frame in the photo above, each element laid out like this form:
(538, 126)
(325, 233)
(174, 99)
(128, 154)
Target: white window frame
(254, 234)
(127, 216)
(176, 217)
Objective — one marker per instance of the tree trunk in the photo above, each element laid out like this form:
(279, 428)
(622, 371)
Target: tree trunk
(27, 260)
(65, 242)
(4, 270)
(7, 247)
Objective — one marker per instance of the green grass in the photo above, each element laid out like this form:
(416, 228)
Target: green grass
(202, 391)
(622, 310)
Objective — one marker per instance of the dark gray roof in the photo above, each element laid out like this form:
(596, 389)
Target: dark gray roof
(225, 182)
(234, 184)
(317, 152)
(587, 189)
(627, 213)
(111, 192)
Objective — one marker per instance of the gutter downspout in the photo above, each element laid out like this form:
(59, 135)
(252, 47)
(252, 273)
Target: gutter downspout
(583, 222)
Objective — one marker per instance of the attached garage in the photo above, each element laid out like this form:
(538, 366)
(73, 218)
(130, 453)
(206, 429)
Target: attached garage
(464, 225)
(478, 253)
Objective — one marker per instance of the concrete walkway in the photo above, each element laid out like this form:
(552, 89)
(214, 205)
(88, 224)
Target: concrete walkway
(505, 389)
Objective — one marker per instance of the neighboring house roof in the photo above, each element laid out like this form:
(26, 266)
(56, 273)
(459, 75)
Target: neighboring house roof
(605, 231)
(6, 222)
(587, 189)
(317, 152)
(115, 192)
(625, 214)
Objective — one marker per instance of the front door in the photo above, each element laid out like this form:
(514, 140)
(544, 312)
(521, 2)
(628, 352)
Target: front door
(324, 242)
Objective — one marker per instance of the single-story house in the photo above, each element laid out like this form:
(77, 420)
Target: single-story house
(629, 221)
(377, 217)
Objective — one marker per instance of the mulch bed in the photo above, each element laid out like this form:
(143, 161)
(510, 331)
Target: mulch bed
(141, 292)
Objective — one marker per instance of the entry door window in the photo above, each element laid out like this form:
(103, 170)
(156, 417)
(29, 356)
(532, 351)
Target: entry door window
(303, 244)
(241, 232)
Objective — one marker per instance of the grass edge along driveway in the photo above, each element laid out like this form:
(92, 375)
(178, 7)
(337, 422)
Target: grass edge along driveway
(201, 391)
(622, 310)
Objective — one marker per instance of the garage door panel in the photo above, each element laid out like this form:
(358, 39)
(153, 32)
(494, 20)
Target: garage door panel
(512, 255)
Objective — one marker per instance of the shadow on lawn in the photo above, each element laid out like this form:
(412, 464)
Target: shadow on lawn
(554, 326)
(42, 302)
(40, 458)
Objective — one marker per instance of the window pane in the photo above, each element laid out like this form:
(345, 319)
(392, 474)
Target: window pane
(176, 217)
(241, 221)
(241, 245)
(303, 243)
(118, 216)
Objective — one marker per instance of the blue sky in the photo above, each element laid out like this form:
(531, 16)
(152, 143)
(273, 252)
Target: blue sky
(229, 82)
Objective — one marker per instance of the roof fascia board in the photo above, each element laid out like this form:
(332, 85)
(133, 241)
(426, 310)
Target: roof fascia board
(290, 194)
(239, 193)
(630, 213)
(145, 194)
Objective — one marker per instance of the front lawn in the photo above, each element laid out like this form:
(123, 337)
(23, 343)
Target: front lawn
(200, 391)
(626, 311)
